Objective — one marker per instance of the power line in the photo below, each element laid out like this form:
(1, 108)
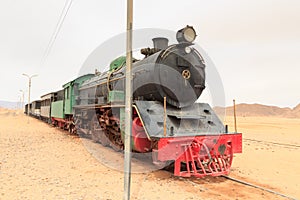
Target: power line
(57, 29)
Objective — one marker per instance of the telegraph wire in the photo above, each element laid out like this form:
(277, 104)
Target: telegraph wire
(57, 29)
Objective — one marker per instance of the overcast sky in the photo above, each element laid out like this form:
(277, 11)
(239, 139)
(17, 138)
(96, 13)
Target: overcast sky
(255, 44)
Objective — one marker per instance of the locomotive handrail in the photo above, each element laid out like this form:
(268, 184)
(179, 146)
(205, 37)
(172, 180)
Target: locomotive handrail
(111, 80)
(200, 56)
(111, 72)
(167, 51)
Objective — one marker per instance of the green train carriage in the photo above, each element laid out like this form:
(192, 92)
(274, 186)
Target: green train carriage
(65, 99)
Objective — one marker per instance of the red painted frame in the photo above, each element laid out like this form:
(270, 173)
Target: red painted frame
(202, 155)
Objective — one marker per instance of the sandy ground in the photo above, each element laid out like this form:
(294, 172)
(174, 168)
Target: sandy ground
(268, 155)
(38, 161)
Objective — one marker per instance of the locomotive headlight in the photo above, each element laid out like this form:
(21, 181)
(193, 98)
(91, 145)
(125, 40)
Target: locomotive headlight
(187, 34)
(187, 50)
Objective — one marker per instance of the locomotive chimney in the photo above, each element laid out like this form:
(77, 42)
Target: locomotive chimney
(160, 43)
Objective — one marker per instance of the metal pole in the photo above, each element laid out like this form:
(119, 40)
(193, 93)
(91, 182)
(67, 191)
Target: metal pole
(29, 86)
(19, 107)
(19, 103)
(165, 116)
(128, 103)
(28, 105)
(22, 102)
(234, 113)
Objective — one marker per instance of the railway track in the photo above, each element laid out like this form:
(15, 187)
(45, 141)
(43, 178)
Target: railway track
(242, 182)
(273, 143)
(257, 187)
(196, 182)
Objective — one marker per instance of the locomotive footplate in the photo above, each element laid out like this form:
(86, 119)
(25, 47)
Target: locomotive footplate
(198, 119)
(195, 138)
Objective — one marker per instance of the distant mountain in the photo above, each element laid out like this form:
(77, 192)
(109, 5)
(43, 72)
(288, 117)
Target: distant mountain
(9, 105)
(259, 110)
(296, 111)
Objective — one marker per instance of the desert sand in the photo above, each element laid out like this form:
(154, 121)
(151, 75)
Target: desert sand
(38, 161)
(271, 152)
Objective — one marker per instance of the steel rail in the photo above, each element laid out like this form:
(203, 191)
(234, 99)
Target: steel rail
(275, 143)
(257, 187)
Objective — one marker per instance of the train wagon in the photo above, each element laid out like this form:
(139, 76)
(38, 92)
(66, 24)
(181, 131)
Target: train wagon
(46, 101)
(35, 109)
(26, 108)
(63, 101)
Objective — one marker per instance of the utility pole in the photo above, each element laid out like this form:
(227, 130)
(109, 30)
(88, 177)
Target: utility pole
(128, 103)
(29, 86)
(22, 102)
(234, 115)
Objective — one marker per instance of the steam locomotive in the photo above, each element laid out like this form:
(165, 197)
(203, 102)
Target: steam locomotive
(166, 122)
